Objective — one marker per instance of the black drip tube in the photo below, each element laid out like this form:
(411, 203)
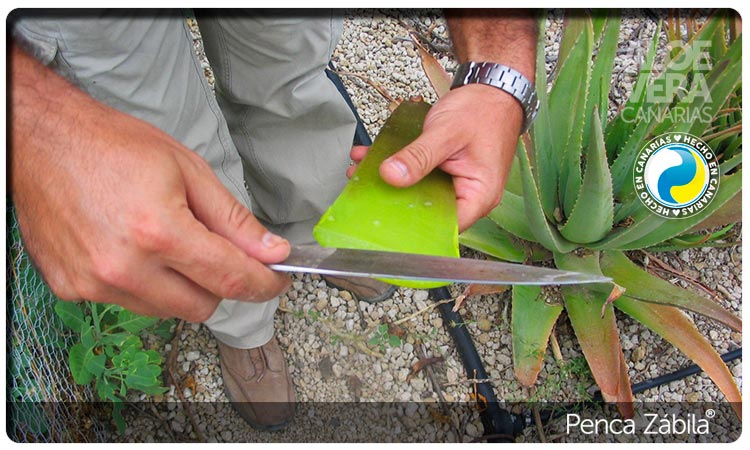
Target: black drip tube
(498, 423)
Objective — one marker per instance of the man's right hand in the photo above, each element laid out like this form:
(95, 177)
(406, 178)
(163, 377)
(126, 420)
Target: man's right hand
(114, 210)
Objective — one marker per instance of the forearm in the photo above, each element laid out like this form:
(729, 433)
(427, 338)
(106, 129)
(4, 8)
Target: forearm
(48, 115)
(501, 36)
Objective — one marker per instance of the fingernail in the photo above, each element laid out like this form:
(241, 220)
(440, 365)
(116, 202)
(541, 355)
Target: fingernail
(271, 240)
(399, 166)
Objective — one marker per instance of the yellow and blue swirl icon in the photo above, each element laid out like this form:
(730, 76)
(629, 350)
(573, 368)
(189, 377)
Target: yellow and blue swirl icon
(676, 175)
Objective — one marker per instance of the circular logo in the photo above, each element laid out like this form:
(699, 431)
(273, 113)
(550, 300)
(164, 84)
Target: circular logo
(676, 175)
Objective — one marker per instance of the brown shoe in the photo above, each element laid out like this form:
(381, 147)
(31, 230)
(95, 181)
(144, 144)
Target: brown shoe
(367, 290)
(258, 385)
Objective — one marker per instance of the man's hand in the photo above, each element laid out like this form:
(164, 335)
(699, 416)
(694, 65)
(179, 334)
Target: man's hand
(114, 210)
(471, 132)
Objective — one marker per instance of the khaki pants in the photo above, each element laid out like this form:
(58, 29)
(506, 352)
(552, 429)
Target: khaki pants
(277, 133)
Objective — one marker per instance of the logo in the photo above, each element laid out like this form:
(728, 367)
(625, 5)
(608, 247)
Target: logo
(676, 175)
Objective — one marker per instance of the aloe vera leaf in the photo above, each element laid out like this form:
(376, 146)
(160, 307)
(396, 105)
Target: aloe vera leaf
(718, 47)
(601, 74)
(674, 326)
(721, 82)
(729, 186)
(591, 217)
(532, 320)
(543, 231)
(648, 229)
(514, 183)
(510, 216)
(373, 215)
(567, 103)
(545, 149)
(596, 329)
(641, 285)
(487, 237)
(618, 130)
(729, 213)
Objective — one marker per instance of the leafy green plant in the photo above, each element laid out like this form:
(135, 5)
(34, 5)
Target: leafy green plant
(110, 354)
(382, 337)
(571, 192)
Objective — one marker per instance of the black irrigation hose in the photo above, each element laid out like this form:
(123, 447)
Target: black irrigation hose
(497, 422)
(682, 373)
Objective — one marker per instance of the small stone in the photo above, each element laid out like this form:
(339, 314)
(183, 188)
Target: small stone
(437, 322)
(411, 409)
(638, 354)
(693, 397)
(420, 295)
(484, 324)
(484, 338)
(345, 295)
(193, 356)
(335, 302)
(226, 435)
(321, 304)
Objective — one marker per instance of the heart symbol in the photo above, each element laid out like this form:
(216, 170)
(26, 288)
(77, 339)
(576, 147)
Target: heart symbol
(677, 137)
(675, 211)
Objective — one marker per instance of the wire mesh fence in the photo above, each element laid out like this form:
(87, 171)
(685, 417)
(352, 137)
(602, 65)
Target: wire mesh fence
(43, 402)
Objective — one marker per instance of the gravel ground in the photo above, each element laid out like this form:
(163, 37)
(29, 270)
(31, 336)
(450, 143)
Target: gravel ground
(327, 335)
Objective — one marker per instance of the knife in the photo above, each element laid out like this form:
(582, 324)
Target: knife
(408, 266)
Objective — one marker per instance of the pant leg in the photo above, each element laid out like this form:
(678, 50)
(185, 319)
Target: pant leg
(144, 65)
(291, 126)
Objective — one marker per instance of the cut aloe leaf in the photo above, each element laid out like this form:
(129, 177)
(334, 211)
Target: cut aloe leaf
(373, 215)
(532, 320)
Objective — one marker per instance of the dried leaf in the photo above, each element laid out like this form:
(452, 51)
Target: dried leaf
(439, 78)
(617, 291)
(189, 383)
(396, 330)
(392, 101)
(439, 417)
(421, 364)
(478, 289)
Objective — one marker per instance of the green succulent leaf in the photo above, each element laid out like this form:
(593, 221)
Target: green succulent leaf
(545, 149)
(594, 323)
(510, 216)
(487, 237)
(606, 34)
(650, 229)
(568, 112)
(373, 215)
(674, 326)
(532, 320)
(641, 285)
(591, 218)
(543, 231)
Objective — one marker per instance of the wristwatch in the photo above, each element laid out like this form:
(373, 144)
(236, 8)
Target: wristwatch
(501, 77)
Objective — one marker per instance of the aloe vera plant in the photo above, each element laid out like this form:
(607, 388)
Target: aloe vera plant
(571, 192)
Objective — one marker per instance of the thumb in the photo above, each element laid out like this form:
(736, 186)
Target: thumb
(214, 206)
(418, 159)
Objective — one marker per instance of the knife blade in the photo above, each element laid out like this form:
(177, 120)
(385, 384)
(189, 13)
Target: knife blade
(408, 266)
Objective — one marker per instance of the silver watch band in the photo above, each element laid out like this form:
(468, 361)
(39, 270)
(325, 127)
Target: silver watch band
(501, 77)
